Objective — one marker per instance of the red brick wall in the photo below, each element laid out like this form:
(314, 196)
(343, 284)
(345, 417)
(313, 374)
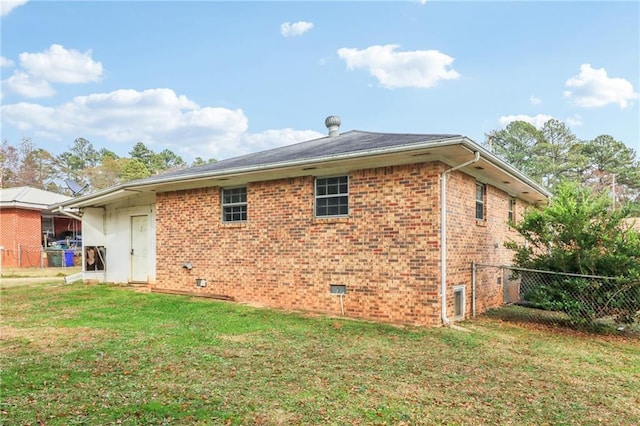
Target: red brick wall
(481, 241)
(21, 237)
(387, 252)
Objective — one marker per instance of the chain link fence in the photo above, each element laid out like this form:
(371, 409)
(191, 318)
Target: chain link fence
(573, 300)
(25, 256)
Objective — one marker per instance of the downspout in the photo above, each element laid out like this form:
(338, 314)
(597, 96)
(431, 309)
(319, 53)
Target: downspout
(474, 269)
(443, 235)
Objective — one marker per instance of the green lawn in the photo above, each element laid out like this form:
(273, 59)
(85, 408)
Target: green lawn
(109, 355)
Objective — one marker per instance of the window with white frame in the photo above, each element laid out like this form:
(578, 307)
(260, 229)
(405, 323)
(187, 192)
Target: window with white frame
(48, 227)
(481, 193)
(332, 196)
(512, 209)
(234, 204)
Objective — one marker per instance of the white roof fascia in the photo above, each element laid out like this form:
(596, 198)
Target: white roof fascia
(122, 189)
(23, 205)
(508, 168)
(293, 163)
(91, 199)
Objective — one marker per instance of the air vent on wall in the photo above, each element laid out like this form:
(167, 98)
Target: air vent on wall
(337, 289)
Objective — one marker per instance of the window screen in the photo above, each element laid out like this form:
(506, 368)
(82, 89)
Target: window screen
(332, 196)
(480, 197)
(234, 204)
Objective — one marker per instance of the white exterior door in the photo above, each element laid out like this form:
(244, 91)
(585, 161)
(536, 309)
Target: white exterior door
(139, 249)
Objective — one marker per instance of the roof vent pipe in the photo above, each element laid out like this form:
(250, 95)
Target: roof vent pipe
(333, 124)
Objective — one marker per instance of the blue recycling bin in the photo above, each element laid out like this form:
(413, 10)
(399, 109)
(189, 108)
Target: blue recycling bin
(68, 257)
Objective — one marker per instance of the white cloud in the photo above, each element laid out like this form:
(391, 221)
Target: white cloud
(537, 120)
(289, 29)
(59, 65)
(535, 100)
(28, 86)
(157, 117)
(54, 65)
(393, 69)
(6, 6)
(594, 88)
(574, 120)
(5, 62)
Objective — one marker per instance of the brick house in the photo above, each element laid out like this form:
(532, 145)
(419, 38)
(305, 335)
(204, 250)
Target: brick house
(26, 222)
(349, 224)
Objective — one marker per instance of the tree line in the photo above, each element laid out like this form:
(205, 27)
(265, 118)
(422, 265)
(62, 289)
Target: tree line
(84, 165)
(550, 155)
(553, 154)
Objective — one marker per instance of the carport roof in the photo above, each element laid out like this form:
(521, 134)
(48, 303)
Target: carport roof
(30, 198)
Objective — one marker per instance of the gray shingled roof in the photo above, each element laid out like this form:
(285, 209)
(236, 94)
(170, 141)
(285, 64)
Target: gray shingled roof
(346, 143)
(29, 198)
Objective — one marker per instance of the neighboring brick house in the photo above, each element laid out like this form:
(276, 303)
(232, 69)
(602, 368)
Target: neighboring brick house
(25, 222)
(348, 224)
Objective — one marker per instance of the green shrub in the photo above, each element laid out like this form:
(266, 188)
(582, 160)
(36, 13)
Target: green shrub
(581, 233)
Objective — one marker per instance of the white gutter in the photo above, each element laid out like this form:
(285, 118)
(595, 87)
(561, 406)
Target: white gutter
(98, 196)
(454, 140)
(23, 205)
(150, 183)
(443, 235)
(143, 184)
(439, 143)
(68, 213)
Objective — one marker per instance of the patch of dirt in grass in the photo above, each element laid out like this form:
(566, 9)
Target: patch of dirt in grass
(48, 339)
(16, 313)
(8, 332)
(549, 322)
(239, 338)
(626, 335)
(8, 283)
(277, 416)
(39, 272)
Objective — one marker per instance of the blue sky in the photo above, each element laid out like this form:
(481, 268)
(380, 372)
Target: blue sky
(219, 79)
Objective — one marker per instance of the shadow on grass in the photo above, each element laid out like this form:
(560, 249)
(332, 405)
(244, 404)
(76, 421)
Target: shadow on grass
(560, 320)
